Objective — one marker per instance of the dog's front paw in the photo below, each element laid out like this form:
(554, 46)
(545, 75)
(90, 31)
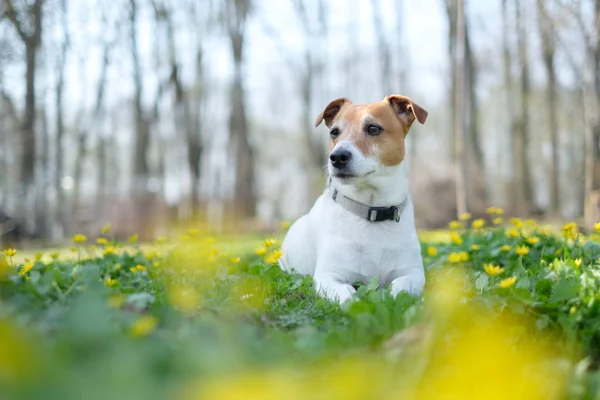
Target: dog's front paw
(412, 284)
(339, 293)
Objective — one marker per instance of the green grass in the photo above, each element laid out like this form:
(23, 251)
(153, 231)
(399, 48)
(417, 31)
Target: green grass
(196, 315)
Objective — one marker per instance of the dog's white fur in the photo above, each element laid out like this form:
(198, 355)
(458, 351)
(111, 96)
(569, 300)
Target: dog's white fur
(339, 248)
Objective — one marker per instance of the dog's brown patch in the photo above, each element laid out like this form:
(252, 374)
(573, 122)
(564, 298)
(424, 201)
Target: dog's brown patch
(394, 114)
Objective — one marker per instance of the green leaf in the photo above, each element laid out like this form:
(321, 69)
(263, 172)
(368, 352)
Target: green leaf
(373, 283)
(482, 282)
(565, 289)
(523, 283)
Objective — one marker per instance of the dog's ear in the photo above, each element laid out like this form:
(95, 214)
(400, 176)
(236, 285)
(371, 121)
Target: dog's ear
(331, 111)
(406, 109)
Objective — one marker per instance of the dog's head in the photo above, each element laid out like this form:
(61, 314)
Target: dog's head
(368, 140)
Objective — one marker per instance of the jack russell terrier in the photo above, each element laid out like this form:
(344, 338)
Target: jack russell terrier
(362, 226)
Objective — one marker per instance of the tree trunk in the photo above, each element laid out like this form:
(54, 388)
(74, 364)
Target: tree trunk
(596, 77)
(101, 145)
(239, 144)
(383, 48)
(58, 147)
(309, 77)
(31, 41)
(189, 128)
(548, 43)
(461, 164)
(42, 217)
(510, 108)
(142, 137)
(525, 183)
(477, 191)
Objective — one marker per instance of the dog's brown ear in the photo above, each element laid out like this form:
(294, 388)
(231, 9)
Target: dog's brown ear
(407, 109)
(331, 111)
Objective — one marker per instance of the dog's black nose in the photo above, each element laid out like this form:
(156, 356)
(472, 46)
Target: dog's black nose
(340, 158)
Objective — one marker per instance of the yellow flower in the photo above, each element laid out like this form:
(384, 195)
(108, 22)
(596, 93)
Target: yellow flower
(531, 223)
(109, 250)
(116, 301)
(533, 240)
(193, 232)
(456, 239)
(270, 242)
(478, 223)
(261, 251)
(38, 257)
(495, 211)
(54, 256)
(474, 247)
(117, 267)
(102, 241)
(505, 248)
(110, 282)
(572, 310)
(455, 225)
(577, 262)
(465, 216)
(133, 238)
(155, 264)
(234, 260)
(74, 249)
(185, 298)
(138, 268)
(79, 238)
(273, 257)
(143, 326)
(10, 252)
(432, 251)
(516, 222)
(151, 254)
(25, 268)
(27, 260)
(161, 240)
(570, 230)
(557, 252)
(497, 220)
(492, 270)
(105, 229)
(597, 227)
(455, 258)
(512, 233)
(522, 250)
(508, 282)
(285, 225)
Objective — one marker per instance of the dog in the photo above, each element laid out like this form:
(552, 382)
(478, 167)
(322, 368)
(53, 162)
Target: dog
(362, 226)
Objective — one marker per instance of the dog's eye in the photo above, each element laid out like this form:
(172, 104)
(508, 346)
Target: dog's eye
(335, 132)
(374, 130)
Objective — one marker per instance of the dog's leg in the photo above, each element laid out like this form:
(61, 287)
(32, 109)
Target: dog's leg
(412, 283)
(331, 286)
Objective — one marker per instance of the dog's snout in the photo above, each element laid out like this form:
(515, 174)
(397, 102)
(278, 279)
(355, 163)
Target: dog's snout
(340, 158)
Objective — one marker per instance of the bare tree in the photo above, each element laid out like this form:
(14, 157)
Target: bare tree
(547, 34)
(383, 48)
(508, 90)
(28, 25)
(142, 130)
(524, 179)
(188, 125)
(309, 76)
(458, 42)
(468, 154)
(235, 16)
(60, 126)
(97, 118)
